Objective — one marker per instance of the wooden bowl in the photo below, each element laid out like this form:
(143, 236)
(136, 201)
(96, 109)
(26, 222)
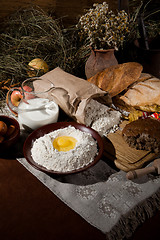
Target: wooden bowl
(12, 139)
(55, 126)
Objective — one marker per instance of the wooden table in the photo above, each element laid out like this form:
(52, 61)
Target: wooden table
(29, 210)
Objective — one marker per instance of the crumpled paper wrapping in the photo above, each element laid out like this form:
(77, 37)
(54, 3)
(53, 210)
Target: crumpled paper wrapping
(71, 93)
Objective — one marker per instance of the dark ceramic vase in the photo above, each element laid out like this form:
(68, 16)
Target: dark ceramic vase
(99, 60)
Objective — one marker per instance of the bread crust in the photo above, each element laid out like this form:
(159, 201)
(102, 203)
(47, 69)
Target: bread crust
(117, 78)
(144, 95)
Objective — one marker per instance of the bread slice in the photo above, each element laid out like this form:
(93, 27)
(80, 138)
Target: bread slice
(143, 134)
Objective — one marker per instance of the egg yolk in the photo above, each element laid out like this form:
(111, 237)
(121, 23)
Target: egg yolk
(64, 143)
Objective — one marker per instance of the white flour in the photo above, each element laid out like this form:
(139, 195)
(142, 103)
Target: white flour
(47, 156)
(101, 118)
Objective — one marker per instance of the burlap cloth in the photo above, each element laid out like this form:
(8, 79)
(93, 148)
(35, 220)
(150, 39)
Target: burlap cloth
(103, 197)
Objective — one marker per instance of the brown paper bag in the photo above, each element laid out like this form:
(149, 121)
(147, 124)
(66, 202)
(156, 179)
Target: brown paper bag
(71, 93)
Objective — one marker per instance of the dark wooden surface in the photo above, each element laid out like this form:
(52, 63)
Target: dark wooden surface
(28, 210)
(70, 10)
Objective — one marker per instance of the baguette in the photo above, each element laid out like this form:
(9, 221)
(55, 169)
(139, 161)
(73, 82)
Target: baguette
(117, 78)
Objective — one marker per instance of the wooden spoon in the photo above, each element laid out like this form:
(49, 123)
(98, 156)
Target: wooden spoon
(155, 168)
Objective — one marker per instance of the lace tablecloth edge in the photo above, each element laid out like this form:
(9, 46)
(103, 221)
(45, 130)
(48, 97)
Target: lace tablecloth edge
(136, 217)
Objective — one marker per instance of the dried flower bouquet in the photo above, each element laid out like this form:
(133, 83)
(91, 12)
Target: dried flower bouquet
(103, 28)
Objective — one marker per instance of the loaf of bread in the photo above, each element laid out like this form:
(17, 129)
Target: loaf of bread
(117, 78)
(132, 91)
(143, 134)
(144, 95)
(128, 112)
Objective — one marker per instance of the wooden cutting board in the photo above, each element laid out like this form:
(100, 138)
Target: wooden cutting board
(124, 157)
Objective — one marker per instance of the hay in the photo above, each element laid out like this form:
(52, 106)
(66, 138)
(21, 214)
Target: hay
(32, 33)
